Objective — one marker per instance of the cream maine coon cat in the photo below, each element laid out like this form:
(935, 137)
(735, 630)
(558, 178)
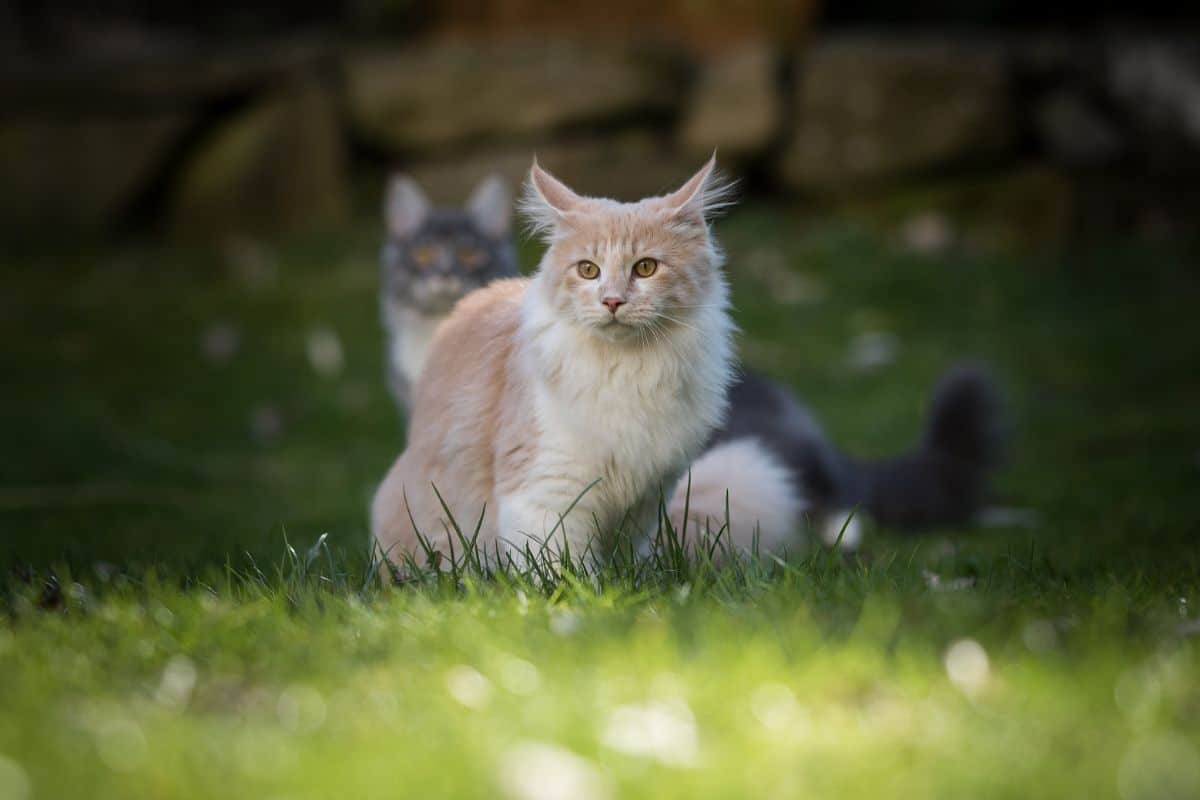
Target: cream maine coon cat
(610, 364)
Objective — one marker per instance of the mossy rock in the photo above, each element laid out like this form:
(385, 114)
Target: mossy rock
(278, 165)
(437, 96)
(873, 110)
(82, 172)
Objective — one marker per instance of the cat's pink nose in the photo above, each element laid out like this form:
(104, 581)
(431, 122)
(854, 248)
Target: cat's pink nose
(613, 303)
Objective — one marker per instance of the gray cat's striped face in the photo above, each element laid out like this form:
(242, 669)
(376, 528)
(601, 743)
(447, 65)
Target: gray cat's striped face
(444, 259)
(433, 257)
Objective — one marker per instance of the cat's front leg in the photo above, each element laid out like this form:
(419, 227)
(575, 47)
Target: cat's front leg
(530, 528)
(647, 519)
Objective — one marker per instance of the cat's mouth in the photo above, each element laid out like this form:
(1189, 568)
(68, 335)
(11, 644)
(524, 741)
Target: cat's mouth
(617, 328)
(437, 300)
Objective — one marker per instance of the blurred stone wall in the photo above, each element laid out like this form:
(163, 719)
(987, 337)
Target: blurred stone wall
(1050, 135)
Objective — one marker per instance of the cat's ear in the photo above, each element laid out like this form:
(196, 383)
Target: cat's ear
(547, 200)
(491, 206)
(405, 207)
(702, 196)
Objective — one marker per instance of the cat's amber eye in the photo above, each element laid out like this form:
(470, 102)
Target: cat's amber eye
(645, 267)
(425, 256)
(587, 270)
(471, 257)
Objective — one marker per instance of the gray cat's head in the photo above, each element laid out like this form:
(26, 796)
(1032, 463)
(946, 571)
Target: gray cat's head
(434, 256)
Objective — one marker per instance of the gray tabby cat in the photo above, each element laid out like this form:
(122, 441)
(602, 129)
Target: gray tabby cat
(431, 259)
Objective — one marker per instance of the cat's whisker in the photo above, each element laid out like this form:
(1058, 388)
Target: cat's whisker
(676, 320)
(679, 322)
(663, 339)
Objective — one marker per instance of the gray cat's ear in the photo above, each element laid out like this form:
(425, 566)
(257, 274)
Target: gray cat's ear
(491, 206)
(702, 196)
(547, 201)
(405, 207)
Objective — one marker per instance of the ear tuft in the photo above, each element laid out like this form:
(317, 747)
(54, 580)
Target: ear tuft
(705, 195)
(405, 207)
(546, 201)
(491, 206)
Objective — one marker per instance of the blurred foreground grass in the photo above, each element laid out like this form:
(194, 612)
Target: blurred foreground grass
(169, 413)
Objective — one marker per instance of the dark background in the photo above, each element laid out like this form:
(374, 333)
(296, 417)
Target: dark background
(1045, 122)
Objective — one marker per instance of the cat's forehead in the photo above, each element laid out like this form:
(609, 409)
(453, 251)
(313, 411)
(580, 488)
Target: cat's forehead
(448, 223)
(614, 212)
(616, 225)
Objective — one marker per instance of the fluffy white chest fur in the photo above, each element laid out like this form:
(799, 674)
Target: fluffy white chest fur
(629, 416)
(410, 333)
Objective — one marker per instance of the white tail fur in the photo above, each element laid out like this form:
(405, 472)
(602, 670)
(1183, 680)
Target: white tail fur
(762, 498)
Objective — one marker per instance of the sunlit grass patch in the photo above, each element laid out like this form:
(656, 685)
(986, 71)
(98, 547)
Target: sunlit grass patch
(189, 604)
(810, 675)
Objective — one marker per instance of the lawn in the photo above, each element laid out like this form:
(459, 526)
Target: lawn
(175, 419)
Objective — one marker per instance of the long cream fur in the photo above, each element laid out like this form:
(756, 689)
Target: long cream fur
(535, 391)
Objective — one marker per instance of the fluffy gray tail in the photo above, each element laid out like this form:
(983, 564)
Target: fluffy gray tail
(945, 480)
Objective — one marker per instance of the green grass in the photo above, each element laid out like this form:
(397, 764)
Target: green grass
(159, 640)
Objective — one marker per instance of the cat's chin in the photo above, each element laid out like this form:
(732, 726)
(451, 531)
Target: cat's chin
(617, 332)
(436, 305)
